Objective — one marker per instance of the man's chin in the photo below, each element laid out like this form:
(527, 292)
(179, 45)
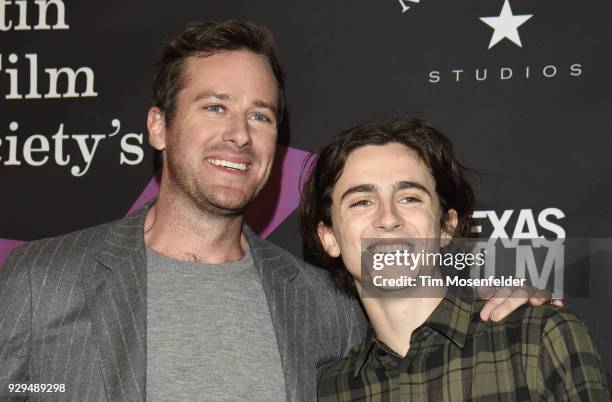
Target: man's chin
(225, 205)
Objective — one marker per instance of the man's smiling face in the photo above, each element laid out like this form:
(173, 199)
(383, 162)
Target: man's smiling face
(219, 149)
(384, 191)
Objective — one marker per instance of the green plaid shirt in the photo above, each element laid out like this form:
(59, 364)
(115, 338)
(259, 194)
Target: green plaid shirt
(537, 353)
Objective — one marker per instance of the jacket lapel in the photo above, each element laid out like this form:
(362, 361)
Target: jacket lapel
(115, 296)
(288, 304)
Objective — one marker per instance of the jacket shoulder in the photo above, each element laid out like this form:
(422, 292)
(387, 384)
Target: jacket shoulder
(66, 250)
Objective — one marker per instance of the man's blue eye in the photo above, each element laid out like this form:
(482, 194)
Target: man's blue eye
(261, 118)
(215, 108)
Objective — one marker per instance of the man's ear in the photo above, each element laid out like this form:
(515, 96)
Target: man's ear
(328, 240)
(157, 128)
(449, 227)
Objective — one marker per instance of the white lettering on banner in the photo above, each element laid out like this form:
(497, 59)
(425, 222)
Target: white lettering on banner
(56, 75)
(526, 263)
(43, 12)
(66, 76)
(505, 73)
(549, 71)
(131, 150)
(36, 150)
(502, 74)
(505, 26)
(28, 150)
(62, 82)
(575, 70)
(544, 272)
(525, 226)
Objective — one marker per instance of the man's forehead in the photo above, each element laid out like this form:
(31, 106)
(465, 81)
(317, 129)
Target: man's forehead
(229, 83)
(375, 153)
(390, 163)
(225, 60)
(371, 170)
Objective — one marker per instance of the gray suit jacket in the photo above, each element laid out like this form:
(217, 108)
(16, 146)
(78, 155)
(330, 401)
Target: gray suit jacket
(73, 311)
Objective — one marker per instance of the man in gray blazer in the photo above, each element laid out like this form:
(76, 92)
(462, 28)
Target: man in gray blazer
(181, 300)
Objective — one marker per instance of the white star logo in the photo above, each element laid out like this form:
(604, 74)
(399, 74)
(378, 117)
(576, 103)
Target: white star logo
(506, 25)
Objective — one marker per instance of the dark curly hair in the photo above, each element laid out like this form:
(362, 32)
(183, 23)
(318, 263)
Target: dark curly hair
(323, 171)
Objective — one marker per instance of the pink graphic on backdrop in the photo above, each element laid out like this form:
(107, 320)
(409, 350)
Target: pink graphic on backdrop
(274, 204)
(281, 195)
(6, 245)
(150, 191)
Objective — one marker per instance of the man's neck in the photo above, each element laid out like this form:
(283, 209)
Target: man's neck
(394, 319)
(176, 229)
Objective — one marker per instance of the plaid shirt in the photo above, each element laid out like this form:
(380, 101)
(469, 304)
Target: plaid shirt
(536, 353)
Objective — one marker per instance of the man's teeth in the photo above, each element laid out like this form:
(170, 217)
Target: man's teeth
(232, 165)
(389, 248)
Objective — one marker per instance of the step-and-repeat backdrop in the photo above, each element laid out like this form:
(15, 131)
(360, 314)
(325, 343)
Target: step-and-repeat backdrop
(523, 88)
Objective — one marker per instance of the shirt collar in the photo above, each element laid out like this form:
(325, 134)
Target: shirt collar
(451, 318)
(365, 351)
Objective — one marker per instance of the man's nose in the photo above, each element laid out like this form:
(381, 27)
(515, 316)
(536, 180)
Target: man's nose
(389, 218)
(238, 132)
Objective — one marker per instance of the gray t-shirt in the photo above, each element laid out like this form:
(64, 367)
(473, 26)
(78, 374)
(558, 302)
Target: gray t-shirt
(209, 333)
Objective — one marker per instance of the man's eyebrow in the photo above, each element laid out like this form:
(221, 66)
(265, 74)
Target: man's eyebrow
(260, 103)
(213, 94)
(362, 188)
(405, 185)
